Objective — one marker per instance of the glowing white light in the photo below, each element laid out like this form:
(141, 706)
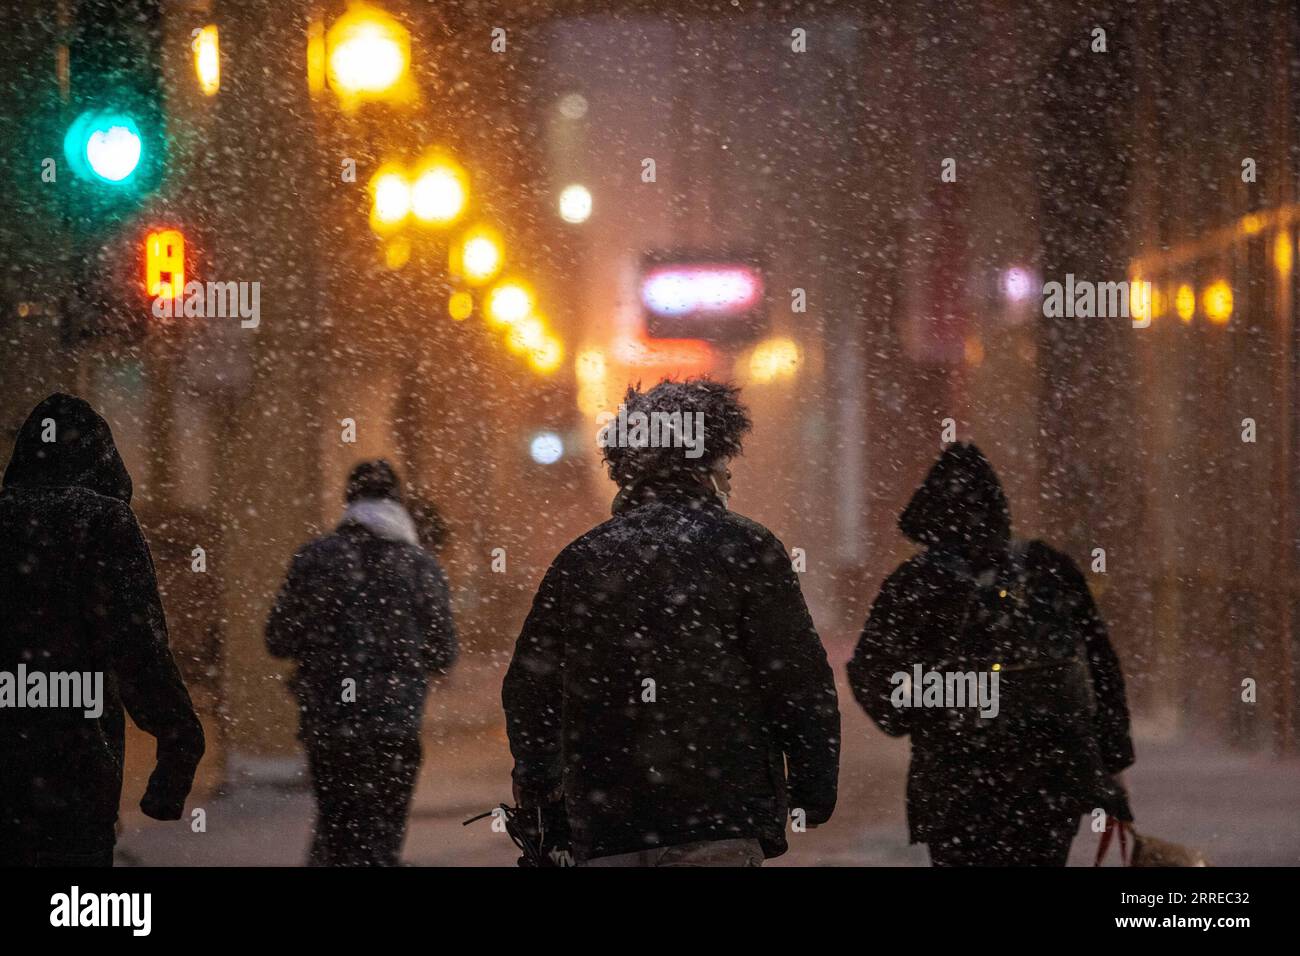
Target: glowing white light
(113, 153)
(573, 106)
(1016, 284)
(681, 290)
(370, 59)
(439, 195)
(575, 204)
(546, 448)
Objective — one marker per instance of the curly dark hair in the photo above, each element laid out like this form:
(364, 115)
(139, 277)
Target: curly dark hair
(725, 423)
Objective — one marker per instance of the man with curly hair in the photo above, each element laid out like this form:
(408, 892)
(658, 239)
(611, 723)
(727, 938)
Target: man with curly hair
(669, 700)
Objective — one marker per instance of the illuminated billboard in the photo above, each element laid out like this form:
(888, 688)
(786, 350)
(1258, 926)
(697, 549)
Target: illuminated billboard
(702, 297)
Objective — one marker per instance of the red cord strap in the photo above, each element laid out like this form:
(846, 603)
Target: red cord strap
(1104, 844)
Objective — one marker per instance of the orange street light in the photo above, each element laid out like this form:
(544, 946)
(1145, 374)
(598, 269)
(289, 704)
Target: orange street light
(368, 55)
(1217, 301)
(439, 192)
(390, 198)
(546, 358)
(509, 302)
(477, 256)
(207, 59)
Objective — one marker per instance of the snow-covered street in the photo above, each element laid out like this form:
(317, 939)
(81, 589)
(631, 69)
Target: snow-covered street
(1239, 809)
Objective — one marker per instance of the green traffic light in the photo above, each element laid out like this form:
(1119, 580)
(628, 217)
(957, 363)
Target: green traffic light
(104, 146)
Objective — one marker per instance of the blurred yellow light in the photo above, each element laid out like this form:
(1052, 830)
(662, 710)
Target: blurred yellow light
(440, 192)
(1216, 299)
(478, 256)
(1185, 302)
(207, 59)
(575, 204)
(508, 302)
(460, 306)
(482, 259)
(397, 253)
(369, 52)
(1140, 299)
(547, 357)
(1282, 256)
(1251, 224)
(392, 199)
(589, 367)
(316, 57)
(589, 370)
(526, 335)
(773, 359)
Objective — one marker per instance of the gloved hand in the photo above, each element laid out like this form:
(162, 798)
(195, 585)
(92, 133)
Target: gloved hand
(544, 831)
(160, 806)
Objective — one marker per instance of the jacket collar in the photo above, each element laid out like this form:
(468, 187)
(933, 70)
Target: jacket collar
(681, 492)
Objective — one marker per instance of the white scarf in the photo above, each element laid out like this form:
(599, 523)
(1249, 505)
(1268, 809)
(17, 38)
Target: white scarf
(384, 518)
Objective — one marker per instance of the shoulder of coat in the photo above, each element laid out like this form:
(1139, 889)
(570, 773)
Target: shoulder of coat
(747, 527)
(1041, 555)
(110, 509)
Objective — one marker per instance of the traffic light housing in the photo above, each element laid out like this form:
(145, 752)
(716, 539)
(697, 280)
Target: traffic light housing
(114, 138)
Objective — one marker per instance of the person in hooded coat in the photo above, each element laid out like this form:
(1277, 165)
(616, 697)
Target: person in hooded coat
(668, 692)
(365, 613)
(1007, 789)
(78, 595)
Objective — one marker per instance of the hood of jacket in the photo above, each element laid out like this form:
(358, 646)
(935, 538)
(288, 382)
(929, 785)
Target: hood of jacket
(960, 506)
(81, 452)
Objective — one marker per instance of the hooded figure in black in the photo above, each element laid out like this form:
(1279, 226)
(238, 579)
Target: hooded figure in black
(668, 690)
(1006, 784)
(78, 596)
(365, 612)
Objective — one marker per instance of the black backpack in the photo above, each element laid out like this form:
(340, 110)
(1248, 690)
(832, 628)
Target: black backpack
(1042, 739)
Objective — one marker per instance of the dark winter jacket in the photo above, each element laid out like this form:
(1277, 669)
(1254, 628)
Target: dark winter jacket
(666, 678)
(970, 600)
(78, 594)
(363, 604)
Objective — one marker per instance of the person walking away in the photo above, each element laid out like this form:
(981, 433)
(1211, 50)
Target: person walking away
(1003, 784)
(80, 610)
(365, 614)
(669, 698)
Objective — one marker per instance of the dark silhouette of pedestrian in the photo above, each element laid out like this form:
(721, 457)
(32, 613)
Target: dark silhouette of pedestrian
(365, 614)
(668, 691)
(80, 616)
(430, 526)
(1004, 784)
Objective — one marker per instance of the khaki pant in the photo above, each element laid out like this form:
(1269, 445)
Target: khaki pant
(703, 853)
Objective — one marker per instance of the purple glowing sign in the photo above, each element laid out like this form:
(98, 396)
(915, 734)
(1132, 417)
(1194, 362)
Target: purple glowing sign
(700, 299)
